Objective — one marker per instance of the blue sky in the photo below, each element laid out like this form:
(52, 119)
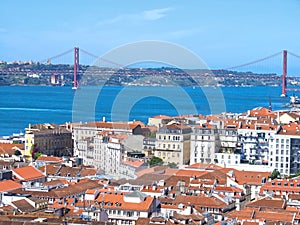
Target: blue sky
(222, 33)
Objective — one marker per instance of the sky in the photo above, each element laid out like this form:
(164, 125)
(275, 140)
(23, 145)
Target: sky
(222, 33)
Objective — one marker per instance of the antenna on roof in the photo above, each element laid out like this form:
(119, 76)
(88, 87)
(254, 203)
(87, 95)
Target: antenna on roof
(270, 103)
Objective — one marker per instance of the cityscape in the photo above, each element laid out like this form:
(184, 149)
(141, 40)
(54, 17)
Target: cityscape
(180, 113)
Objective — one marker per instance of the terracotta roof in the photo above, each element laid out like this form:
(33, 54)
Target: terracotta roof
(46, 158)
(227, 189)
(290, 129)
(190, 173)
(134, 163)
(8, 185)
(23, 205)
(262, 112)
(114, 125)
(247, 177)
(50, 168)
(80, 187)
(161, 117)
(28, 173)
(197, 201)
(255, 214)
(281, 185)
(205, 166)
(7, 148)
(116, 201)
(268, 203)
(88, 172)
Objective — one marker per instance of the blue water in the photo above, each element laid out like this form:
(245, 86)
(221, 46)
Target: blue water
(23, 105)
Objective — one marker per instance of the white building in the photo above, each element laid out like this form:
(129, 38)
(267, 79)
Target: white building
(285, 149)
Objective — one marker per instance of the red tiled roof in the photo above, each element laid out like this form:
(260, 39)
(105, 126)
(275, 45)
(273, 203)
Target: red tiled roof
(205, 166)
(27, 173)
(162, 117)
(8, 185)
(115, 199)
(49, 158)
(190, 173)
(134, 163)
(7, 148)
(268, 203)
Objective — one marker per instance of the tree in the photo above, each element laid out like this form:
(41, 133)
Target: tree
(172, 165)
(37, 155)
(155, 161)
(275, 174)
(18, 152)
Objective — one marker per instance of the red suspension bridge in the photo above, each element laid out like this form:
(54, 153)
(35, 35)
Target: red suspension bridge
(283, 65)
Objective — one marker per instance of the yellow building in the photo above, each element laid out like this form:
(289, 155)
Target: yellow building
(48, 139)
(173, 144)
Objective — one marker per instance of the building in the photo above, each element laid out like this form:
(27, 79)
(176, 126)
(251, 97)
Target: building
(204, 143)
(215, 144)
(84, 134)
(159, 121)
(48, 139)
(173, 144)
(284, 149)
(28, 174)
(254, 139)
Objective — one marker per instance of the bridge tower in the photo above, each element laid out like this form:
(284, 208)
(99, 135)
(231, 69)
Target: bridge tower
(284, 73)
(76, 66)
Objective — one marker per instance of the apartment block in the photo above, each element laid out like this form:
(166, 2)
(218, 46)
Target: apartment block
(173, 144)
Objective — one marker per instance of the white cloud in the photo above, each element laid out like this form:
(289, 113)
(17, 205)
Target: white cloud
(155, 14)
(148, 15)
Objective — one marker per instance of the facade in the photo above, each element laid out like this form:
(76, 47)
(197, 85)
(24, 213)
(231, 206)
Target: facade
(48, 139)
(204, 143)
(173, 144)
(285, 149)
(86, 132)
(124, 208)
(254, 140)
(210, 144)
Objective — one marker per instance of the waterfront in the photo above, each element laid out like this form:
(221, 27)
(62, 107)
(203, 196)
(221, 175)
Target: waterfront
(23, 105)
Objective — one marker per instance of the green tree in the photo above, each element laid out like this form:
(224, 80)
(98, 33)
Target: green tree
(275, 174)
(18, 152)
(155, 161)
(37, 155)
(172, 165)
